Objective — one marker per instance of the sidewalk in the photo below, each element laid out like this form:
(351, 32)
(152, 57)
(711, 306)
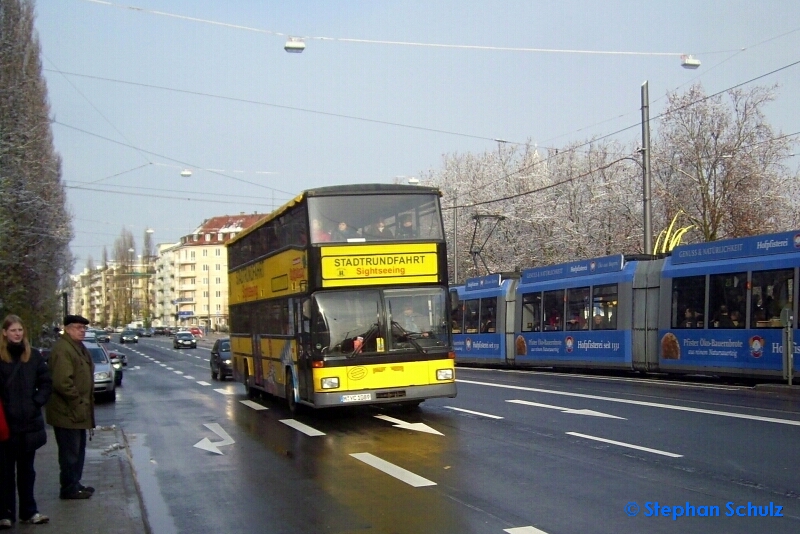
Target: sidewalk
(115, 508)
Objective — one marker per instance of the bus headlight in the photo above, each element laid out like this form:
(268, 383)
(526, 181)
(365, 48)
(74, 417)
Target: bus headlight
(444, 374)
(331, 382)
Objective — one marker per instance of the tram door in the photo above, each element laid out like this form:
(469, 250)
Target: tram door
(646, 288)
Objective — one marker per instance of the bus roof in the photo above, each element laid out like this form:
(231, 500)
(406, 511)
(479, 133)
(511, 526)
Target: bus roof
(340, 190)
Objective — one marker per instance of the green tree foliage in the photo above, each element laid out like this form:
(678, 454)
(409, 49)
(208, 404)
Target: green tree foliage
(35, 227)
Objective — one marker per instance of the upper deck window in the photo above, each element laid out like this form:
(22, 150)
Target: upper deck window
(365, 218)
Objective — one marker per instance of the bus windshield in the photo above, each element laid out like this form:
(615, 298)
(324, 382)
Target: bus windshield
(359, 218)
(358, 322)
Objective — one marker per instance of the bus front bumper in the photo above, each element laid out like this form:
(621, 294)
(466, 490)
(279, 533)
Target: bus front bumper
(385, 396)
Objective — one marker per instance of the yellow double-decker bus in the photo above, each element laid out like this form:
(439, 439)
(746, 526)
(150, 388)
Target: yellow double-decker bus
(340, 297)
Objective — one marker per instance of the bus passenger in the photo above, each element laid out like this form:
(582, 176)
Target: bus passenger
(343, 232)
(406, 228)
(723, 320)
(379, 231)
(318, 234)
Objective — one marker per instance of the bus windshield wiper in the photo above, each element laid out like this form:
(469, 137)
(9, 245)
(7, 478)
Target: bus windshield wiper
(408, 335)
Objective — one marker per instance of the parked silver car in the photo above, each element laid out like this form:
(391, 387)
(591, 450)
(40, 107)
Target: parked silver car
(104, 379)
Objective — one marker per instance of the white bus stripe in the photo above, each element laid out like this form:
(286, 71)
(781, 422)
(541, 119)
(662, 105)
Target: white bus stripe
(621, 444)
(305, 429)
(392, 470)
(474, 413)
(254, 405)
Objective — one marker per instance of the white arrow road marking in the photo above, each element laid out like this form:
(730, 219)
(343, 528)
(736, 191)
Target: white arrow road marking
(419, 427)
(224, 392)
(474, 413)
(202, 383)
(621, 444)
(254, 405)
(565, 410)
(305, 429)
(524, 530)
(212, 446)
(641, 403)
(390, 469)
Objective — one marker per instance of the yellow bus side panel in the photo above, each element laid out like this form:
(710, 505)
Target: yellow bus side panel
(277, 276)
(383, 376)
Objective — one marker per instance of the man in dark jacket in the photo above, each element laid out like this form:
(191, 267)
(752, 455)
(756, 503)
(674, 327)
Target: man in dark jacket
(71, 407)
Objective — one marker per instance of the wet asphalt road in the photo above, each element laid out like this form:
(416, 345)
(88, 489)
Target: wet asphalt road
(515, 452)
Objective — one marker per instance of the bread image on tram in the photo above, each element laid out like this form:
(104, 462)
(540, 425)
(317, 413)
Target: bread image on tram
(670, 349)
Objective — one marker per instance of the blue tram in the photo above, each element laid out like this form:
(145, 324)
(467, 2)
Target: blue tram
(711, 308)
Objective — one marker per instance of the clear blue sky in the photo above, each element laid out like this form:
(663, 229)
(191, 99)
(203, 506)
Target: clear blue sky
(138, 96)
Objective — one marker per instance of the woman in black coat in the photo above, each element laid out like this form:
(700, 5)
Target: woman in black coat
(25, 386)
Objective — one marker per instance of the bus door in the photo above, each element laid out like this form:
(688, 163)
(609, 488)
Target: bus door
(305, 370)
(258, 374)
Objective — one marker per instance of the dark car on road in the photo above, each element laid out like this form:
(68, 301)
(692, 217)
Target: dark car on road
(101, 335)
(221, 359)
(184, 340)
(160, 331)
(128, 336)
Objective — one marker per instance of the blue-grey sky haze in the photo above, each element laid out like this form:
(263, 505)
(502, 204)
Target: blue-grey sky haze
(138, 95)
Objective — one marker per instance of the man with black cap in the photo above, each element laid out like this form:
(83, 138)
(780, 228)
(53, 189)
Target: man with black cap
(70, 409)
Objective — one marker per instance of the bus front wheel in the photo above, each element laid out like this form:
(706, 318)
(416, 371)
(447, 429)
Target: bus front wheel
(290, 400)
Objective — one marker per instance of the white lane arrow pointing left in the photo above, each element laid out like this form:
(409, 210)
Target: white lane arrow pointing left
(212, 446)
(419, 427)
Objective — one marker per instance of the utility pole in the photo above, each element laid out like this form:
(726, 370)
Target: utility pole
(646, 208)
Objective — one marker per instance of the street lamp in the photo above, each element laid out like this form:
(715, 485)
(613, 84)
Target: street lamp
(130, 284)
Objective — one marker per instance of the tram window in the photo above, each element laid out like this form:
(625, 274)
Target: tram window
(727, 298)
(488, 315)
(553, 310)
(577, 308)
(772, 291)
(688, 302)
(457, 315)
(472, 316)
(531, 312)
(604, 307)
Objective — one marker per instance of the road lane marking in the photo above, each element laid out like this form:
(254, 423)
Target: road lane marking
(630, 446)
(474, 413)
(203, 383)
(178, 372)
(524, 530)
(640, 403)
(224, 392)
(565, 410)
(390, 469)
(254, 405)
(170, 369)
(399, 423)
(187, 377)
(305, 429)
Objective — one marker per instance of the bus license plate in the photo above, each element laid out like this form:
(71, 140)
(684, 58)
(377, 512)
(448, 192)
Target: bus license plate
(357, 398)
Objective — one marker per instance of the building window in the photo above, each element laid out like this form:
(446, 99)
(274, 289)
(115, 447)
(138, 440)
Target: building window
(218, 280)
(219, 252)
(205, 253)
(208, 237)
(219, 294)
(219, 236)
(218, 267)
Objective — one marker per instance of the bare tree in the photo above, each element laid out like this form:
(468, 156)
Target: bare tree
(721, 163)
(36, 227)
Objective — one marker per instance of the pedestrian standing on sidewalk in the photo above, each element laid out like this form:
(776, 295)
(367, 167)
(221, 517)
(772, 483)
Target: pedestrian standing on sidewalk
(25, 386)
(71, 407)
